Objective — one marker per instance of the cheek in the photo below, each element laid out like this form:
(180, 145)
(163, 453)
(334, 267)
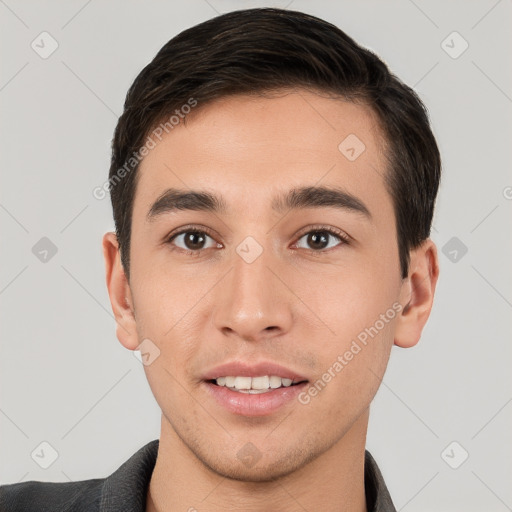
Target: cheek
(349, 300)
(359, 307)
(164, 299)
(351, 370)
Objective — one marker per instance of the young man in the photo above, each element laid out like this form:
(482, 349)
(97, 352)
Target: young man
(273, 188)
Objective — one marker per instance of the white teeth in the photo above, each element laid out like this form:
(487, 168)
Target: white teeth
(275, 382)
(243, 382)
(253, 385)
(260, 382)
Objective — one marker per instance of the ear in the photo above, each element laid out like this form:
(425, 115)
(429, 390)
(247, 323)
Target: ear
(119, 293)
(417, 294)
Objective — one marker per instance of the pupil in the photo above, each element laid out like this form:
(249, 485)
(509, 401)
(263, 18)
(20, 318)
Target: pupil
(192, 242)
(318, 240)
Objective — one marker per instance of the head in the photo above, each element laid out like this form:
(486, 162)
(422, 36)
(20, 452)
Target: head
(284, 126)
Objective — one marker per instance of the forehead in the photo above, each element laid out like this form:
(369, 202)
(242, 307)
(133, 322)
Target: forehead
(247, 146)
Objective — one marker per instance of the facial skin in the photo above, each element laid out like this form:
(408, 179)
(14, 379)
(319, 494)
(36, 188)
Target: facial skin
(292, 306)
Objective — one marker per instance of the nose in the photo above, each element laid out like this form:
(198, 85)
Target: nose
(252, 303)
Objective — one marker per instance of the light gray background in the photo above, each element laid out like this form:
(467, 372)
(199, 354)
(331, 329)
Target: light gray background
(66, 380)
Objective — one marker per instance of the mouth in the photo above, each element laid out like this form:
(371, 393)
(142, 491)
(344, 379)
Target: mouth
(253, 389)
(254, 385)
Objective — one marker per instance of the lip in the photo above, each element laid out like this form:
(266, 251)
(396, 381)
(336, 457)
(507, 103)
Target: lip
(244, 404)
(239, 368)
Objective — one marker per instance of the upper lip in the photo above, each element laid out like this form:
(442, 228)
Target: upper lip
(243, 369)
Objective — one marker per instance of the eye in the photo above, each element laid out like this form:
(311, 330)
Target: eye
(192, 240)
(320, 239)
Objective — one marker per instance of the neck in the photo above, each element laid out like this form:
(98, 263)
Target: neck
(332, 481)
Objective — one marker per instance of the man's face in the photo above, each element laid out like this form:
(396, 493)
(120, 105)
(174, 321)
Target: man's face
(262, 285)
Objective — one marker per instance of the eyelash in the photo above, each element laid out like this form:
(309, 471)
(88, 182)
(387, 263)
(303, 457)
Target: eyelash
(343, 237)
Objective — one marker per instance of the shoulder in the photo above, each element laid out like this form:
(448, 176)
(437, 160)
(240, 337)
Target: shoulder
(125, 489)
(34, 496)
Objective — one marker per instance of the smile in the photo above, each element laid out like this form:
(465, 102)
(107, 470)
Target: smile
(254, 385)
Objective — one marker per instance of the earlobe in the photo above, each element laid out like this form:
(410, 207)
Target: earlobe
(417, 294)
(119, 293)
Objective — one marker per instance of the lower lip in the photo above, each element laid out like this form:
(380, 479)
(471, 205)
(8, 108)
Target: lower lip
(261, 404)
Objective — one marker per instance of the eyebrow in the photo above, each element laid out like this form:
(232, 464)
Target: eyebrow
(174, 199)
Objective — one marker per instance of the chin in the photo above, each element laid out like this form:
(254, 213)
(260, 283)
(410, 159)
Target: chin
(261, 474)
(269, 468)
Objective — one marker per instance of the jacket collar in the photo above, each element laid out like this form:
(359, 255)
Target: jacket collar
(125, 490)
